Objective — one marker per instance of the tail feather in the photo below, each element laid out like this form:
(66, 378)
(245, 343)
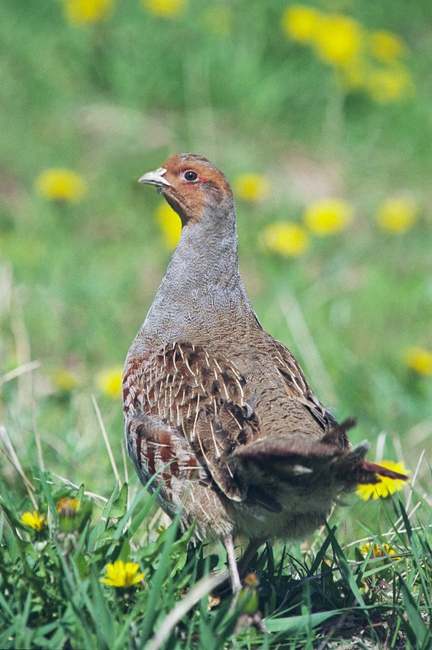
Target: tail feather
(383, 471)
(353, 469)
(337, 435)
(304, 459)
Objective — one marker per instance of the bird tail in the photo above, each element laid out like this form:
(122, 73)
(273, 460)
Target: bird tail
(300, 455)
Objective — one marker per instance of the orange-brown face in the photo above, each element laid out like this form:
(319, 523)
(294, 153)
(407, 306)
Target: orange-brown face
(190, 184)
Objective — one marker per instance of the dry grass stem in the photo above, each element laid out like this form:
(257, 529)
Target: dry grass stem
(157, 519)
(14, 460)
(105, 437)
(300, 332)
(380, 446)
(125, 461)
(22, 350)
(91, 495)
(38, 444)
(414, 478)
(201, 589)
(17, 372)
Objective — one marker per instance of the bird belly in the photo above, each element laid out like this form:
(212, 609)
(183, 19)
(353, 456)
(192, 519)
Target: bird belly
(299, 516)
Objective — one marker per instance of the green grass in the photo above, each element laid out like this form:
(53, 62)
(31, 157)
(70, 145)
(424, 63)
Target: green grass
(112, 101)
(52, 596)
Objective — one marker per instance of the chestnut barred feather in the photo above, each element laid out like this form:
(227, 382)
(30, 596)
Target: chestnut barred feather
(216, 410)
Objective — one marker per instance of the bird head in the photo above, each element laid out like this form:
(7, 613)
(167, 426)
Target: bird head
(193, 187)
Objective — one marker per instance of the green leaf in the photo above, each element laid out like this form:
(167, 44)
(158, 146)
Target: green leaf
(12, 519)
(122, 523)
(83, 515)
(118, 507)
(299, 623)
(80, 494)
(415, 551)
(48, 496)
(125, 551)
(413, 614)
(24, 547)
(103, 620)
(158, 580)
(320, 556)
(345, 567)
(150, 553)
(81, 565)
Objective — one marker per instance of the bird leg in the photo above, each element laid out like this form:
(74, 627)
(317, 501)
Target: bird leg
(232, 564)
(250, 551)
(245, 620)
(236, 570)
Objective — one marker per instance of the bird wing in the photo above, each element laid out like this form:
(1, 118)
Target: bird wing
(154, 444)
(298, 389)
(182, 404)
(191, 416)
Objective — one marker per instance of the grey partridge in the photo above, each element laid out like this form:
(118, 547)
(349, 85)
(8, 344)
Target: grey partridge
(216, 407)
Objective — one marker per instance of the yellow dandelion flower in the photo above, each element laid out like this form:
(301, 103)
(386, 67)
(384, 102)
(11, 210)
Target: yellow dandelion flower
(386, 46)
(170, 224)
(251, 187)
(165, 8)
(419, 360)
(338, 39)
(387, 485)
(396, 215)
(286, 239)
(300, 22)
(219, 19)
(389, 84)
(328, 216)
(61, 185)
(80, 12)
(67, 507)
(120, 574)
(378, 551)
(109, 382)
(64, 380)
(36, 520)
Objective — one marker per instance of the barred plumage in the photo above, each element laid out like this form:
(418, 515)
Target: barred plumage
(216, 409)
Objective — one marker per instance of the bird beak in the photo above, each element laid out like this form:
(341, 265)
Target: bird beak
(155, 178)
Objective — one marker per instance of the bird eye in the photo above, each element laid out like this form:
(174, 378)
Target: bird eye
(191, 176)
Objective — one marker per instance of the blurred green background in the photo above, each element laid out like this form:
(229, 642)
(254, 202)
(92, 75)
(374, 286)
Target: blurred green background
(319, 114)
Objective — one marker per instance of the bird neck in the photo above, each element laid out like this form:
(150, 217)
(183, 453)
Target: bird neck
(205, 258)
(202, 287)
